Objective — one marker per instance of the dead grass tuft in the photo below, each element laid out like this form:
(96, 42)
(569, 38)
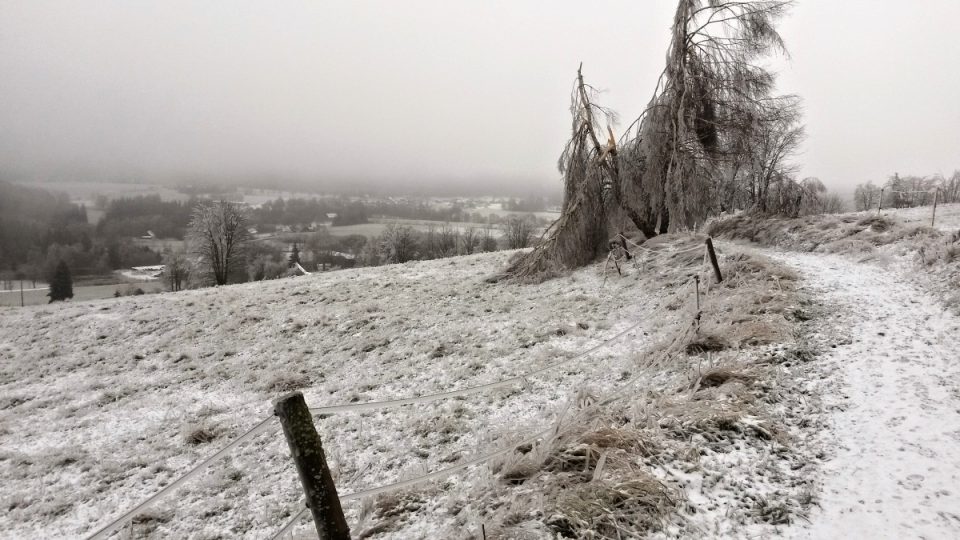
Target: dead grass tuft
(719, 376)
(202, 434)
(704, 343)
(879, 223)
(625, 509)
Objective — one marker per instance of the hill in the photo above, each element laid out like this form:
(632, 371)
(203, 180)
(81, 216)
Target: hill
(106, 402)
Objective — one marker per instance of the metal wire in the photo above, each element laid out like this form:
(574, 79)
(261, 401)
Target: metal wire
(418, 480)
(375, 405)
(113, 526)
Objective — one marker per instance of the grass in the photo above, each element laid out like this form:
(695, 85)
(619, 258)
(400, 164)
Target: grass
(868, 238)
(80, 293)
(603, 474)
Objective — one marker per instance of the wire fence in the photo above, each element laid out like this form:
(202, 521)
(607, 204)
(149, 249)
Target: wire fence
(266, 424)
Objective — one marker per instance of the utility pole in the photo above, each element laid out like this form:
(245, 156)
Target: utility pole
(21, 292)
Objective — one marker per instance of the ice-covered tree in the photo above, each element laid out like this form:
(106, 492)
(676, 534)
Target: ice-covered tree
(218, 235)
(667, 170)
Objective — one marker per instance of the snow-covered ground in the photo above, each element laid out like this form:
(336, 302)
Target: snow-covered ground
(892, 395)
(946, 219)
(105, 402)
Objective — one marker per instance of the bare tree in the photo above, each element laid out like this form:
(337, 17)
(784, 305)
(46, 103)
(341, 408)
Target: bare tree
(218, 236)
(399, 243)
(488, 242)
(950, 188)
(518, 232)
(176, 269)
(866, 196)
(469, 241)
(440, 242)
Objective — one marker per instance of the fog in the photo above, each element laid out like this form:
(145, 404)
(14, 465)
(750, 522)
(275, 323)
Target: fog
(422, 94)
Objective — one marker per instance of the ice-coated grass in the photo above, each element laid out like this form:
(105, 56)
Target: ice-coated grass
(105, 402)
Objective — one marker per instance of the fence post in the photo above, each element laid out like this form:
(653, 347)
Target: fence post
(696, 281)
(880, 202)
(936, 195)
(307, 453)
(713, 260)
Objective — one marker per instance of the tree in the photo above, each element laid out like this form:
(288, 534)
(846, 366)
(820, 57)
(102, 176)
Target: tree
(950, 189)
(176, 269)
(399, 243)
(61, 283)
(866, 196)
(294, 258)
(218, 235)
(666, 170)
(469, 241)
(518, 232)
(488, 242)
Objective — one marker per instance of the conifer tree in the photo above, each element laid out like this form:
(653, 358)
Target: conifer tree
(61, 285)
(294, 256)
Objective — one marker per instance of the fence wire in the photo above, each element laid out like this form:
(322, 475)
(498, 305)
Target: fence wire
(119, 522)
(105, 531)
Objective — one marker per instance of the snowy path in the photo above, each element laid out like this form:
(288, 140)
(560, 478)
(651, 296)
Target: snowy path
(892, 396)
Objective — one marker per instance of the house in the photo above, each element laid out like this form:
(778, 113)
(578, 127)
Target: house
(153, 271)
(149, 236)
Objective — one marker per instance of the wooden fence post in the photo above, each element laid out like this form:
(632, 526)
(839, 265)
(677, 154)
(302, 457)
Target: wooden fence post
(713, 260)
(880, 202)
(696, 280)
(936, 195)
(307, 452)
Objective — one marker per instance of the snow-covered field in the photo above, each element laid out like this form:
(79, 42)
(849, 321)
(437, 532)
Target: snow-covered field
(946, 219)
(104, 403)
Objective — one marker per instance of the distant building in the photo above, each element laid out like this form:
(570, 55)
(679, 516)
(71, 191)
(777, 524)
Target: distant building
(149, 236)
(154, 271)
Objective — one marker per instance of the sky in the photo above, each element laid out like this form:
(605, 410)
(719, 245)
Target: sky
(427, 93)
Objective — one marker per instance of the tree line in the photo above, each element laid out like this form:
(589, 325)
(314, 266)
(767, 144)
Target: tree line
(220, 249)
(908, 191)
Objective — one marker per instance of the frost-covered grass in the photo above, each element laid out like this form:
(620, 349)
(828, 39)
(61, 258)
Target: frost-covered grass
(894, 237)
(105, 402)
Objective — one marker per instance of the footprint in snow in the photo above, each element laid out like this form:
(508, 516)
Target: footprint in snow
(912, 482)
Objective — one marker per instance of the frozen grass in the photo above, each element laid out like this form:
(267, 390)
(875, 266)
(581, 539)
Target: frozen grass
(105, 402)
(892, 237)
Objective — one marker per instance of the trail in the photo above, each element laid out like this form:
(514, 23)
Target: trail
(891, 426)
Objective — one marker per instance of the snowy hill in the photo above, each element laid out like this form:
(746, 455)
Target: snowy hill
(106, 402)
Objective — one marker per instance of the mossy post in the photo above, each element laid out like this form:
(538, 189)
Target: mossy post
(713, 260)
(307, 452)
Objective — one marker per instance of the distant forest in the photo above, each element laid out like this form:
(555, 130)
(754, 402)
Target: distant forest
(39, 228)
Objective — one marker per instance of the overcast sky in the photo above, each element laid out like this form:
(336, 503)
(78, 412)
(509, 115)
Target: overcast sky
(431, 90)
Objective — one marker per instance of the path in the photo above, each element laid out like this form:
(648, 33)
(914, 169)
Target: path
(892, 465)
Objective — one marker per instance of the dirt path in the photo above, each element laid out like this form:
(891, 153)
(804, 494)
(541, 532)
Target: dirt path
(892, 406)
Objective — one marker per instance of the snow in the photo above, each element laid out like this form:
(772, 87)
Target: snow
(947, 218)
(99, 398)
(892, 392)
